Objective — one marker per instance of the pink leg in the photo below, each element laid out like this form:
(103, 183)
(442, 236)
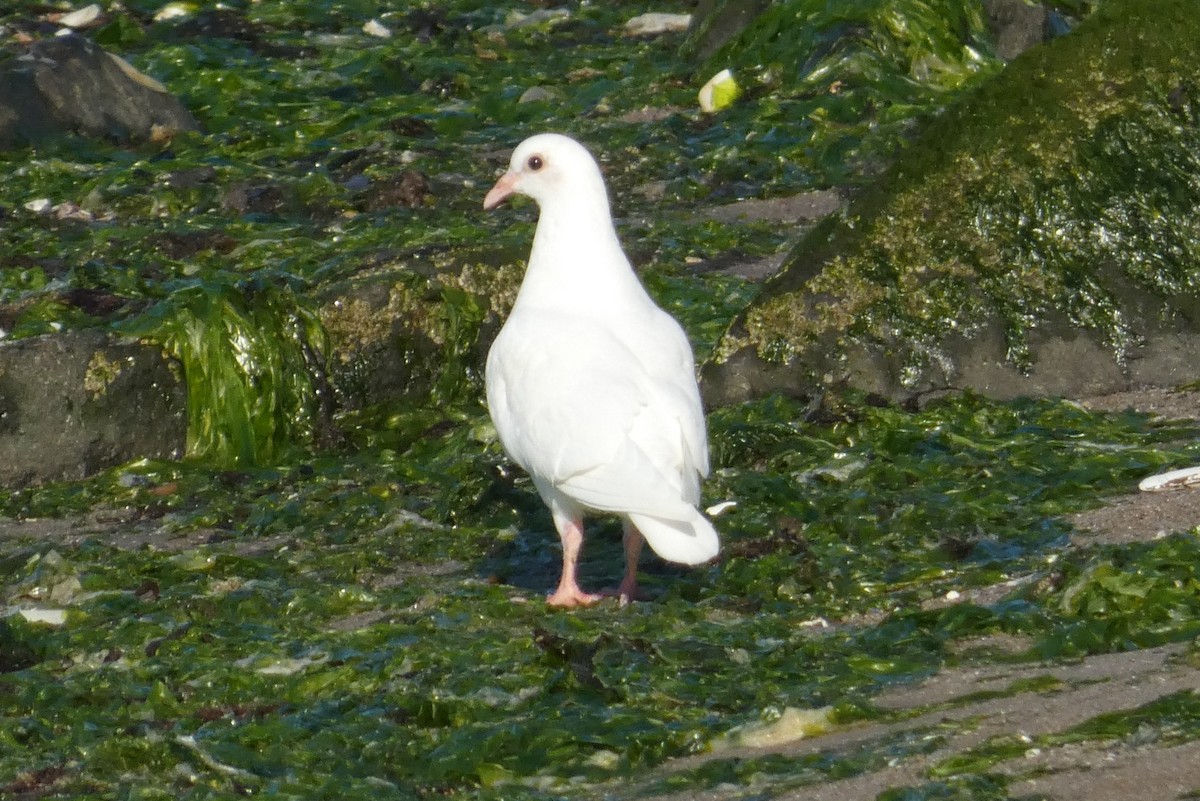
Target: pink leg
(628, 591)
(568, 593)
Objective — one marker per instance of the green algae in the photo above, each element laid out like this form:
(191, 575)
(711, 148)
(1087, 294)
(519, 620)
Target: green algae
(853, 76)
(1141, 595)
(253, 355)
(377, 621)
(368, 620)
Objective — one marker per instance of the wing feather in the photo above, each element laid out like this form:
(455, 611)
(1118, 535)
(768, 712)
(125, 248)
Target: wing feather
(615, 425)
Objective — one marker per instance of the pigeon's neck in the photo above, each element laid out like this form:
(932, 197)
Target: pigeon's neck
(576, 256)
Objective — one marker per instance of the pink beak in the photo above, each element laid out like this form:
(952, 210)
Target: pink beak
(500, 192)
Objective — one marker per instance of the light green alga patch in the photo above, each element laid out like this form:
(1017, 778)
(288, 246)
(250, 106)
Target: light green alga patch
(101, 371)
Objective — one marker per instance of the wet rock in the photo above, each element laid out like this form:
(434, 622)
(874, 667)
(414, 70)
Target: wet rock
(426, 24)
(806, 207)
(414, 127)
(639, 116)
(417, 325)
(1039, 239)
(70, 85)
(185, 244)
(95, 302)
(191, 178)
(1015, 26)
(716, 22)
(259, 198)
(409, 189)
(73, 404)
(536, 94)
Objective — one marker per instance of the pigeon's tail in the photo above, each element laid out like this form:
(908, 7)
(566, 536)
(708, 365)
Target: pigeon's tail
(688, 542)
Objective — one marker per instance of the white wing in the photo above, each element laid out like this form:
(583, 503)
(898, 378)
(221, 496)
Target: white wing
(616, 425)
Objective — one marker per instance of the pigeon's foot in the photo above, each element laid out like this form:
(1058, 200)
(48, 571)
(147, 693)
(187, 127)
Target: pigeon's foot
(568, 594)
(570, 597)
(626, 593)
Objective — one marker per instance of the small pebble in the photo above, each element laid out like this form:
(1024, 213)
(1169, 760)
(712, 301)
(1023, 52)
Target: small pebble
(80, 18)
(535, 94)
(174, 11)
(516, 19)
(130, 480)
(655, 23)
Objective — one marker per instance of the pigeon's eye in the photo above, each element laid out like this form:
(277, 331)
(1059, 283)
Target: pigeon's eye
(535, 163)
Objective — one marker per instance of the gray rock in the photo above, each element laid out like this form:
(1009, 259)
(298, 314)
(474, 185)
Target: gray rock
(1015, 26)
(75, 403)
(717, 22)
(70, 85)
(806, 207)
(536, 94)
(1067, 362)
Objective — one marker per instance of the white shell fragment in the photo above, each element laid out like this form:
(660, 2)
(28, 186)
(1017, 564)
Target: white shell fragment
(378, 29)
(51, 617)
(80, 18)
(174, 11)
(1175, 479)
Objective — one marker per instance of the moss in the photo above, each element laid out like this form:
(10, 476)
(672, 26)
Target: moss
(353, 324)
(1056, 189)
(417, 329)
(101, 371)
(499, 286)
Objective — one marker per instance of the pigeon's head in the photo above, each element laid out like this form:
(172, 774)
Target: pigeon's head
(550, 168)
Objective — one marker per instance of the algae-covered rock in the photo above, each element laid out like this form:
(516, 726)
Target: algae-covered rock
(1039, 238)
(416, 329)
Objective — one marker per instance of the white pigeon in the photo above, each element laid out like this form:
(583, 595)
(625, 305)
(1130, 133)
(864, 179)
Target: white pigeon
(591, 386)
